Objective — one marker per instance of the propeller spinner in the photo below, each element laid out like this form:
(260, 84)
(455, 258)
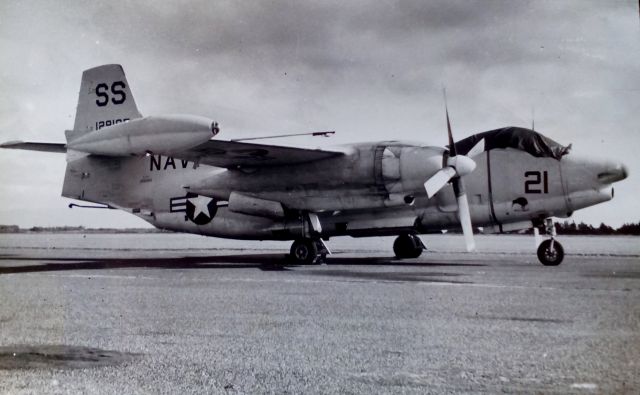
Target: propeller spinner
(456, 167)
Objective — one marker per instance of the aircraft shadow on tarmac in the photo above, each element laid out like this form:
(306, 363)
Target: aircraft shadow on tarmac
(265, 262)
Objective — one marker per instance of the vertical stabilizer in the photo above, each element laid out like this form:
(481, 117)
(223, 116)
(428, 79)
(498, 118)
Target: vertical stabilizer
(104, 100)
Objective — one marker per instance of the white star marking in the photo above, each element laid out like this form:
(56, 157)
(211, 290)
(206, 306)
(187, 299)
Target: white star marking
(200, 204)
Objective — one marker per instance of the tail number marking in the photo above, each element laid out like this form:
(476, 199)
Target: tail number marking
(117, 93)
(533, 179)
(109, 122)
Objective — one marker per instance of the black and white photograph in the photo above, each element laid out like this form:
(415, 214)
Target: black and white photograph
(320, 197)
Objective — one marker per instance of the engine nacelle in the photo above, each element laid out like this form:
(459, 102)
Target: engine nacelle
(155, 134)
(234, 225)
(402, 171)
(249, 205)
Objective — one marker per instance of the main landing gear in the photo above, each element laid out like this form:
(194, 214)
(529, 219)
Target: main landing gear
(408, 245)
(550, 251)
(308, 251)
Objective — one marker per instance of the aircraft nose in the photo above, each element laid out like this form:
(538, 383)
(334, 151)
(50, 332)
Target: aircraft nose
(613, 173)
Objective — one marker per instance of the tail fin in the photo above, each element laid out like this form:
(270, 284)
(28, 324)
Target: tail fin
(104, 100)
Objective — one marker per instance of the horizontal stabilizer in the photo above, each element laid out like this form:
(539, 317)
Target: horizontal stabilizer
(44, 147)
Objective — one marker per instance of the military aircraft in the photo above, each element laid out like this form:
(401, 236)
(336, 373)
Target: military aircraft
(174, 172)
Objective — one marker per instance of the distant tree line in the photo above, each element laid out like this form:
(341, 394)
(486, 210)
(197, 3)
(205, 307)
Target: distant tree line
(571, 228)
(9, 229)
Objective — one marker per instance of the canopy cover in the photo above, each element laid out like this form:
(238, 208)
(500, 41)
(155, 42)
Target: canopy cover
(514, 137)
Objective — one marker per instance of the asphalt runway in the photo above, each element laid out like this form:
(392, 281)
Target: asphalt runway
(110, 317)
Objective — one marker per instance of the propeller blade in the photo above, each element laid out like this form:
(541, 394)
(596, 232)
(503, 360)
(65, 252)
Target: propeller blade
(464, 214)
(461, 165)
(452, 144)
(437, 181)
(465, 221)
(458, 166)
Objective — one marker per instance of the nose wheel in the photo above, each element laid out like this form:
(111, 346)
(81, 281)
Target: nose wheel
(550, 251)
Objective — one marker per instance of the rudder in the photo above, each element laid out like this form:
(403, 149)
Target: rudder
(104, 100)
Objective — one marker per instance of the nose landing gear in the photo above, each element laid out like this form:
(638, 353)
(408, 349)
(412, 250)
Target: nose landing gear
(550, 251)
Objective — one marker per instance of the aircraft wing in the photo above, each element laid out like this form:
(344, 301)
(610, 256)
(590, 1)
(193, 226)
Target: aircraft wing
(219, 153)
(44, 147)
(234, 154)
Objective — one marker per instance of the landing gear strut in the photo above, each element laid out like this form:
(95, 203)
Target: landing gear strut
(408, 246)
(308, 251)
(550, 251)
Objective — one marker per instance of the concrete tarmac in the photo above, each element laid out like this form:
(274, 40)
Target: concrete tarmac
(109, 320)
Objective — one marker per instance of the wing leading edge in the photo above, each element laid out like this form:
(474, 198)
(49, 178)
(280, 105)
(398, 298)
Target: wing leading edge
(233, 154)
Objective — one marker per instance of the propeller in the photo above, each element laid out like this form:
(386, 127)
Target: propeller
(456, 167)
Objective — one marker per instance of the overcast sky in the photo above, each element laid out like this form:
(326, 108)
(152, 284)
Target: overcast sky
(371, 70)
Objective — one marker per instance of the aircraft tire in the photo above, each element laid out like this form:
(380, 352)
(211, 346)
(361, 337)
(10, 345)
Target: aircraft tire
(549, 256)
(304, 251)
(406, 246)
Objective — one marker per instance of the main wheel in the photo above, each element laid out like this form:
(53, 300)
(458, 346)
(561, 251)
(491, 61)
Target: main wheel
(304, 251)
(550, 253)
(407, 246)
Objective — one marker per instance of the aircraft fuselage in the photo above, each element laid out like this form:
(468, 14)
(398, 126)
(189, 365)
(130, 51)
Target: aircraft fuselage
(376, 189)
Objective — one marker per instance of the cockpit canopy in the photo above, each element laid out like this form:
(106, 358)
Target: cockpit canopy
(513, 137)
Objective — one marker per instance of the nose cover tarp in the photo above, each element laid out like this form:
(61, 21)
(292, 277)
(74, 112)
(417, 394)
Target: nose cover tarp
(522, 139)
